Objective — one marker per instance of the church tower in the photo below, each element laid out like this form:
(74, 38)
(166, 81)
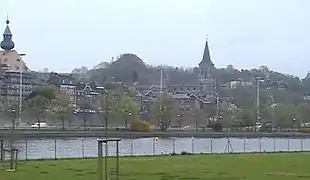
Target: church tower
(10, 59)
(206, 71)
(7, 44)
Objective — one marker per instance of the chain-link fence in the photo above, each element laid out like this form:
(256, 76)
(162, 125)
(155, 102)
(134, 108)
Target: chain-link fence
(87, 147)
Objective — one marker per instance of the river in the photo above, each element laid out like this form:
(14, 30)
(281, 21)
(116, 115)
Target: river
(87, 147)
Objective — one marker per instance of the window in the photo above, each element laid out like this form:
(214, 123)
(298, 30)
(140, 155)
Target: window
(18, 60)
(5, 59)
(16, 67)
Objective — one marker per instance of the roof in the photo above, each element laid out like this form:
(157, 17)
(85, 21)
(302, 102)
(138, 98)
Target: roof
(83, 86)
(206, 59)
(11, 59)
(60, 79)
(7, 31)
(199, 99)
(180, 96)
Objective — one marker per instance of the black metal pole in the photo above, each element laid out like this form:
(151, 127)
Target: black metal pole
(12, 113)
(100, 169)
(106, 115)
(106, 161)
(84, 112)
(106, 136)
(117, 160)
(1, 150)
(84, 119)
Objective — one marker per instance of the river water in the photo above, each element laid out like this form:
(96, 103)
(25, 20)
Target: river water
(87, 147)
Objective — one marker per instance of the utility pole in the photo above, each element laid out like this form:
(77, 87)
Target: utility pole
(257, 101)
(21, 69)
(106, 115)
(217, 105)
(161, 80)
(161, 100)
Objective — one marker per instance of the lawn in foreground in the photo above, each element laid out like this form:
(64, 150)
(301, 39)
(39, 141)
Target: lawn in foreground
(285, 166)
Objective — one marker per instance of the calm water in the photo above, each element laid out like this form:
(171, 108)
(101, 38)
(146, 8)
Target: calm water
(87, 147)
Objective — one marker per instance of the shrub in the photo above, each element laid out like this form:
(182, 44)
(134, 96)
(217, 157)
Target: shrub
(304, 130)
(185, 153)
(139, 126)
(217, 127)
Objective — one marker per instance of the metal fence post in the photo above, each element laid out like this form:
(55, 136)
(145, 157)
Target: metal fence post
(274, 144)
(260, 144)
(211, 143)
(193, 145)
(173, 145)
(154, 139)
(1, 150)
(244, 142)
(26, 150)
(288, 144)
(131, 147)
(301, 145)
(55, 149)
(83, 150)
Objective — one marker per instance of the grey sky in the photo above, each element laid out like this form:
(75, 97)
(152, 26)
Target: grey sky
(64, 34)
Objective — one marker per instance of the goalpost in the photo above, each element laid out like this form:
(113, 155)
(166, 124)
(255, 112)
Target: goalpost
(105, 141)
(9, 161)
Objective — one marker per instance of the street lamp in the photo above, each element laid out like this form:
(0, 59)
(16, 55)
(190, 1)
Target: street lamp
(217, 104)
(294, 120)
(178, 121)
(273, 106)
(258, 79)
(13, 116)
(21, 69)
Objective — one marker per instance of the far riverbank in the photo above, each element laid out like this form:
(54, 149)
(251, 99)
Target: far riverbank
(120, 134)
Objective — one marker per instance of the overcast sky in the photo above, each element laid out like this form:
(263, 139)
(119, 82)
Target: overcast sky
(63, 34)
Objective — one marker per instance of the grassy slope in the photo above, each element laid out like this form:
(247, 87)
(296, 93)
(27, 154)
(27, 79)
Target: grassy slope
(216, 167)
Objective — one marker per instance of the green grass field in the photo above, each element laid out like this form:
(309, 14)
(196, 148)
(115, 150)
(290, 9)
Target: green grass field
(284, 166)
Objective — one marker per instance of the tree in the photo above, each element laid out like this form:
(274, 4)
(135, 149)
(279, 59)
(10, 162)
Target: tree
(303, 112)
(105, 104)
(163, 110)
(127, 108)
(81, 70)
(38, 102)
(38, 106)
(247, 116)
(285, 114)
(197, 115)
(47, 91)
(230, 68)
(61, 109)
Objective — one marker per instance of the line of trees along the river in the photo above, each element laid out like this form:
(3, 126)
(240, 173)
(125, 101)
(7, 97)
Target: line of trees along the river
(281, 96)
(46, 103)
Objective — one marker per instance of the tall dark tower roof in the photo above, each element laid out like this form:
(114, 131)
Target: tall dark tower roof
(206, 59)
(7, 43)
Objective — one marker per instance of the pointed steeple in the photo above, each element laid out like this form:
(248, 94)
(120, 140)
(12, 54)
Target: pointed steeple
(206, 59)
(308, 75)
(7, 43)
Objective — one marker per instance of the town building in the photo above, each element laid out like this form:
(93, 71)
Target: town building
(79, 93)
(15, 78)
(201, 94)
(65, 83)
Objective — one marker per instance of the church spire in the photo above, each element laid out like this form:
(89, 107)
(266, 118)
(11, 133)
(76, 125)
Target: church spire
(7, 43)
(206, 59)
